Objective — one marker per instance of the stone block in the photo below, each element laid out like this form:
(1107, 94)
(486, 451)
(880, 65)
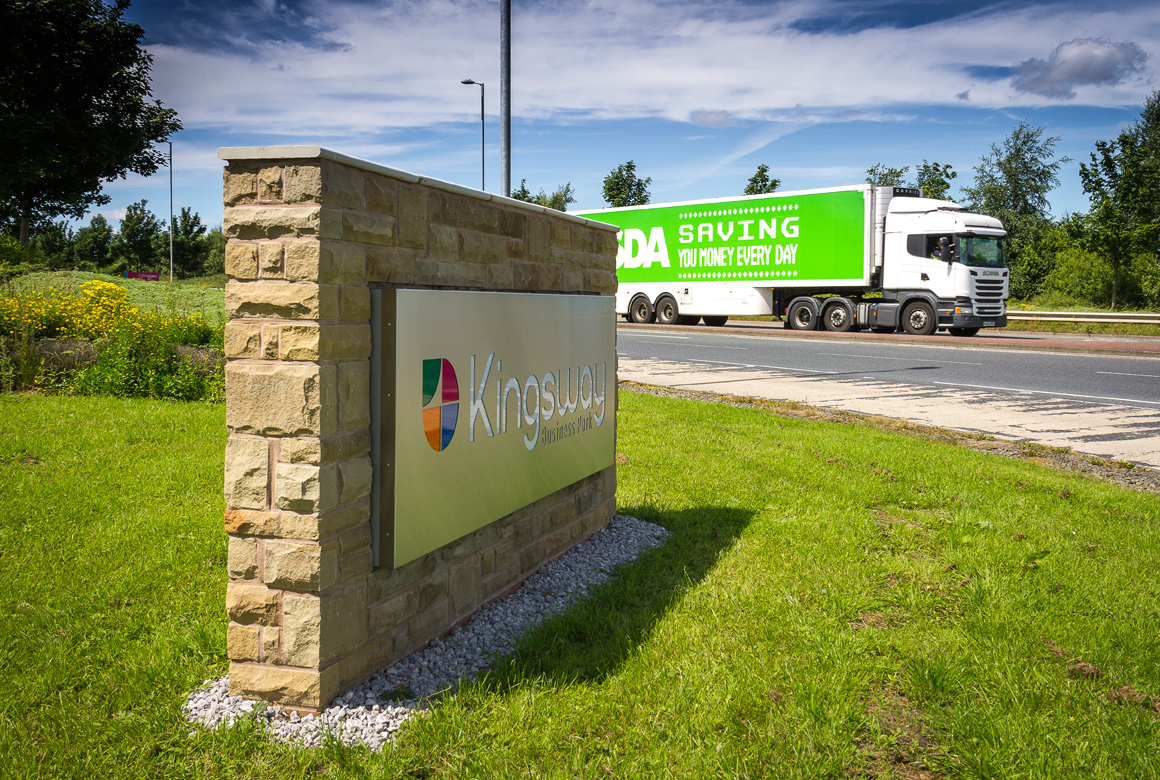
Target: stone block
(368, 229)
(243, 643)
(270, 640)
(343, 263)
(301, 450)
(354, 395)
(252, 603)
(282, 684)
(340, 446)
(459, 211)
(270, 260)
(587, 239)
(246, 473)
(330, 223)
(247, 522)
(299, 342)
(342, 186)
(538, 242)
(357, 565)
(302, 260)
(391, 266)
(380, 195)
(354, 304)
(356, 477)
(600, 282)
(282, 400)
(429, 623)
(242, 558)
(573, 281)
(302, 183)
(271, 339)
(281, 301)
(384, 583)
(243, 340)
(318, 629)
(512, 223)
(241, 261)
(350, 341)
(500, 278)
(482, 248)
(271, 222)
(305, 568)
(467, 275)
(515, 249)
(412, 217)
(463, 586)
(536, 277)
(305, 489)
(443, 243)
(270, 183)
(392, 613)
(238, 186)
(561, 235)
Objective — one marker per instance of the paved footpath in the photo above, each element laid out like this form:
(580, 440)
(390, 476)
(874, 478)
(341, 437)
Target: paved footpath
(1101, 429)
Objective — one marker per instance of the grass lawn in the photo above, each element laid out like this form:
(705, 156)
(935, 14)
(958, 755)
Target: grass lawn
(184, 297)
(837, 600)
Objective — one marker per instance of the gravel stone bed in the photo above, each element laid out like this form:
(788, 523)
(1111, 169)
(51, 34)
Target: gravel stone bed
(371, 712)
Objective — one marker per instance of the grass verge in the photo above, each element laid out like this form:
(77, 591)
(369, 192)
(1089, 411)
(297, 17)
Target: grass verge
(182, 298)
(837, 600)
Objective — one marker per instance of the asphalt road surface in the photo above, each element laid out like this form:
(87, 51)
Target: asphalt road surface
(1096, 395)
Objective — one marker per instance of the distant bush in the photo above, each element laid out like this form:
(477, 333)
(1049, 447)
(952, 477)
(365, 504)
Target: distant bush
(138, 354)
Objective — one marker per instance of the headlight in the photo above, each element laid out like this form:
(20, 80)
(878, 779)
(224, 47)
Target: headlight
(963, 310)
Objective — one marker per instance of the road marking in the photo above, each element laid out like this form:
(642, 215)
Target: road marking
(1123, 373)
(1046, 392)
(753, 365)
(660, 336)
(709, 346)
(870, 357)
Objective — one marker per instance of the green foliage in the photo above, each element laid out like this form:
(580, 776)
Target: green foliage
(1016, 178)
(760, 183)
(934, 179)
(136, 247)
(215, 253)
(145, 364)
(622, 187)
(559, 200)
(74, 106)
(884, 176)
(92, 244)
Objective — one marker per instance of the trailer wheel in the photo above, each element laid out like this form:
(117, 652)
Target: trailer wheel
(715, 322)
(883, 329)
(837, 318)
(918, 319)
(688, 319)
(639, 311)
(667, 312)
(963, 331)
(803, 316)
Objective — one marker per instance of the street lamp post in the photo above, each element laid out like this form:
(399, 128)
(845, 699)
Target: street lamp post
(171, 212)
(482, 146)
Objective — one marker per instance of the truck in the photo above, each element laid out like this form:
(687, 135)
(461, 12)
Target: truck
(838, 259)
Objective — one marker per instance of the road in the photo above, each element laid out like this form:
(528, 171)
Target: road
(1099, 396)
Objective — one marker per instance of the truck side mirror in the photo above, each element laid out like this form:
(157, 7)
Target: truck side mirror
(946, 251)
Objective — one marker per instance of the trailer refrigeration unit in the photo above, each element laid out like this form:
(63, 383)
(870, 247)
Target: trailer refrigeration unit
(840, 259)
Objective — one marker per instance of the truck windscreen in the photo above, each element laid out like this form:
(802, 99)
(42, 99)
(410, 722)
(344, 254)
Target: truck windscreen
(982, 252)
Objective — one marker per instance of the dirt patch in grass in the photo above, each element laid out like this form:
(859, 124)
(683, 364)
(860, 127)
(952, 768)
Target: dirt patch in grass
(905, 747)
(1131, 696)
(1124, 474)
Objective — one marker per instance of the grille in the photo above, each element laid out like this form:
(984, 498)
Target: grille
(989, 289)
(989, 309)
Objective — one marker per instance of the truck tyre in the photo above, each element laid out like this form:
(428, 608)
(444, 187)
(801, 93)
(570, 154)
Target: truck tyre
(803, 315)
(639, 310)
(838, 318)
(883, 329)
(688, 319)
(963, 331)
(715, 322)
(667, 312)
(918, 319)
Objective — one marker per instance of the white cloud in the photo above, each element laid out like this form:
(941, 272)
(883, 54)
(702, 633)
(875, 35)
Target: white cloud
(1080, 62)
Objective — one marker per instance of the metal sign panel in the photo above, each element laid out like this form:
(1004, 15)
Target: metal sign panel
(489, 402)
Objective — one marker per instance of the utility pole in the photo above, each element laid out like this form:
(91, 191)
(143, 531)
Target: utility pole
(171, 223)
(505, 94)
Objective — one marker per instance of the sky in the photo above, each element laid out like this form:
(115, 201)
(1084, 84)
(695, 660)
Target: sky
(697, 94)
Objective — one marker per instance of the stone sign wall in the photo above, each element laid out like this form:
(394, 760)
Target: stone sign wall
(310, 233)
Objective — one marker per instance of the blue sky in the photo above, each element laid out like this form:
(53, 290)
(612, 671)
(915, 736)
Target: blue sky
(696, 93)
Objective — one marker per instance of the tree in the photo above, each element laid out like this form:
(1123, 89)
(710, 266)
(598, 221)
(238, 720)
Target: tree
(1123, 184)
(760, 183)
(1012, 183)
(883, 176)
(934, 179)
(91, 244)
(558, 200)
(74, 108)
(215, 253)
(189, 246)
(135, 247)
(55, 242)
(622, 187)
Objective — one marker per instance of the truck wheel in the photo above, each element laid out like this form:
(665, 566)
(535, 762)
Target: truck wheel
(688, 319)
(802, 316)
(667, 312)
(837, 319)
(639, 311)
(919, 320)
(883, 329)
(963, 331)
(715, 322)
